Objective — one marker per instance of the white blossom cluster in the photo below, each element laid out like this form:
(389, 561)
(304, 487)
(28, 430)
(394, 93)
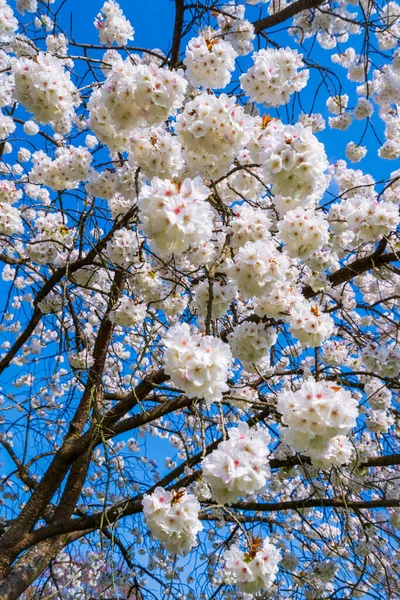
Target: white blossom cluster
(252, 571)
(134, 95)
(209, 61)
(156, 151)
(112, 25)
(257, 266)
(70, 166)
(173, 519)
(52, 240)
(250, 344)
(174, 216)
(212, 131)
(275, 76)
(123, 247)
(222, 296)
(303, 232)
(128, 313)
(367, 218)
(318, 416)
(44, 87)
(197, 364)
(294, 161)
(249, 225)
(8, 23)
(235, 28)
(239, 466)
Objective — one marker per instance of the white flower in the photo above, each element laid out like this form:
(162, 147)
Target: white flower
(315, 414)
(209, 61)
(135, 96)
(81, 360)
(212, 130)
(173, 518)
(10, 220)
(257, 266)
(174, 216)
(250, 343)
(197, 364)
(303, 232)
(236, 29)
(222, 297)
(309, 325)
(249, 225)
(123, 247)
(112, 25)
(44, 88)
(128, 313)
(274, 77)
(252, 571)
(8, 23)
(156, 152)
(294, 162)
(239, 466)
(355, 153)
(70, 166)
(8, 192)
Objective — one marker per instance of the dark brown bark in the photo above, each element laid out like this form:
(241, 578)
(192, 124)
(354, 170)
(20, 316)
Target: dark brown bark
(285, 14)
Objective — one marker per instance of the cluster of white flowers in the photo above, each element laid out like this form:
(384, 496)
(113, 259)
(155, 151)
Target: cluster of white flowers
(197, 364)
(235, 28)
(388, 35)
(8, 23)
(254, 570)
(8, 192)
(212, 131)
(309, 325)
(156, 152)
(365, 216)
(222, 296)
(27, 6)
(209, 61)
(384, 360)
(294, 161)
(173, 518)
(317, 417)
(249, 225)
(102, 183)
(257, 266)
(282, 298)
(7, 126)
(354, 152)
(123, 247)
(81, 360)
(112, 25)
(70, 166)
(128, 313)
(10, 219)
(250, 343)
(303, 232)
(239, 466)
(275, 76)
(44, 88)
(174, 216)
(243, 182)
(379, 421)
(53, 238)
(135, 95)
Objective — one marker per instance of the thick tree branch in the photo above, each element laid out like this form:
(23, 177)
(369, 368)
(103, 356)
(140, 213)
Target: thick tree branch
(357, 267)
(285, 14)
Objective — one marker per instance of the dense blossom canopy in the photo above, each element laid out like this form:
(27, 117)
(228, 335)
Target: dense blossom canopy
(199, 332)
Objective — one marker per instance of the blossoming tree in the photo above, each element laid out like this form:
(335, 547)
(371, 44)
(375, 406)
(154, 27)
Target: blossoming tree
(200, 298)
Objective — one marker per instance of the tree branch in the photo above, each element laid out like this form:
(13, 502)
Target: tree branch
(285, 13)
